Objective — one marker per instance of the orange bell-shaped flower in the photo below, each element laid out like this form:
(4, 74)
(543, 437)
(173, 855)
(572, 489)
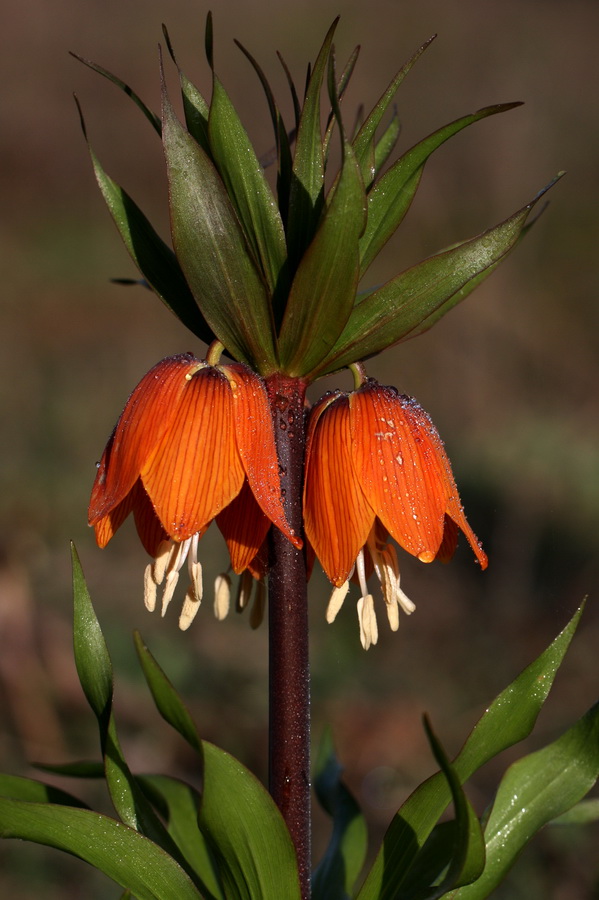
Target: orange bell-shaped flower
(195, 441)
(376, 466)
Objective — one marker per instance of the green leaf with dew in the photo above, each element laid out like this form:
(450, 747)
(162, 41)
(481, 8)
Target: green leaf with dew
(536, 789)
(421, 295)
(131, 860)
(247, 187)
(212, 250)
(508, 720)
(391, 197)
(17, 788)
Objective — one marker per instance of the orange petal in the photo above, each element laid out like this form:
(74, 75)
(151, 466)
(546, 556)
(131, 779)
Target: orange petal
(244, 527)
(396, 453)
(142, 424)
(195, 471)
(256, 444)
(149, 528)
(106, 527)
(336, 515)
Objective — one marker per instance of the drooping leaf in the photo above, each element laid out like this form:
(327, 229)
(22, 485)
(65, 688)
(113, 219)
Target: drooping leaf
(17, 788)
(154, 259)
(391, 196)
(323, 289)
(123, 854)
(307, 183)
(246, 832)
(364, 144)
(508, 720)
(212, 250)
(534, 791)
(152, 118)
(179, 803)
(244, 179)
(336, 873)
(405, 305)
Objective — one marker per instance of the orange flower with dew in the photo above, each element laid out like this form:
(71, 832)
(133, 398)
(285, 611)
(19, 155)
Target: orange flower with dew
(195, 442)
(376, 466)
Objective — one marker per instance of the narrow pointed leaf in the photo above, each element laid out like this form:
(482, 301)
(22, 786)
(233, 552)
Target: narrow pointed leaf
(391, 197)
(402, 307)
(195, 108)
(246, 832)
(152, 118)
(337, 871)
(508, 720)
(386, 144)
(244, 179)
(323, 289)
(212, 251)
(468, 857)
(584, 812)
(341, 88)
(307, 184)
(154, 259)
(127, 857)
(535, 790)
(365, 139)
(168, 703)
(179, 803)
(18, 788)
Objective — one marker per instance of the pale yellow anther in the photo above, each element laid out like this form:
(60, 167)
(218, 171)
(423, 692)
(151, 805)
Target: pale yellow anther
(150, 592)
(222, 596)
(244, 591)
(369, 633)
(336, 602)
(191, 604)
(161, 561)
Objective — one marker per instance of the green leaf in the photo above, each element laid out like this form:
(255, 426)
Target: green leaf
(391, 197)
(168, 703)
(127, 857)
(386, 144)
(468, 856)
(323, 290)
(246, 832)
(535, 790)
(584, 812)
(247, 187)
(413, 300)
(16, 788)
(95, 673)
(307, 183)
(212, 251)
(91, 654)
(244, 829)
(152, 118)
(154, 259)
(508, 720)
(337, 871)
(195, 108)
(179, 803)
(365, 139)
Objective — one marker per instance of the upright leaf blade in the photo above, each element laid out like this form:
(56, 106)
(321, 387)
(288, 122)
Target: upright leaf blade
(212, 251)
(244, 179)
(534, 791)
(508, 720)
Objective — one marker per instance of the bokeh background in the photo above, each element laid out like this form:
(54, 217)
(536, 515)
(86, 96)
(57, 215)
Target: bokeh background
(510, 378)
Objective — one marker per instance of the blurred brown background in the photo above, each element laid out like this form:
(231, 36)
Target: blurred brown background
(510, 379)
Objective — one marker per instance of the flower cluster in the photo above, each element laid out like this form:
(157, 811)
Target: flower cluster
(195, 443)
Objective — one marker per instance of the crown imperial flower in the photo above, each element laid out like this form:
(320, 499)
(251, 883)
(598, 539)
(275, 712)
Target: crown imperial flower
(194, 442)
(376, 466)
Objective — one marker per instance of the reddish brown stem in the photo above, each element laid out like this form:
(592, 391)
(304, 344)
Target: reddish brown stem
(289, 670)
